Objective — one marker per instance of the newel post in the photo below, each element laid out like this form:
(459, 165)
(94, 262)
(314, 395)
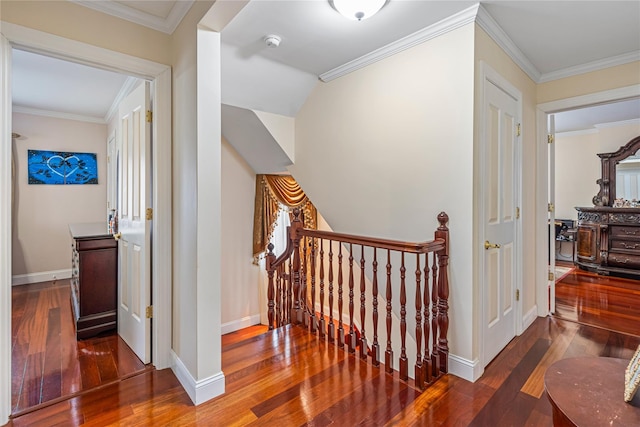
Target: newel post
(270, 259)
(296, 224)
(443, 292)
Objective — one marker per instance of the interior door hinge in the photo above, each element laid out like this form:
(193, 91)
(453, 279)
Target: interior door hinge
(550, 139)
(517, 294)
(518, 130)
(149, 312)
(551, 276)
(149, 214)
(149, 116)
(517, 212)
(550, 207)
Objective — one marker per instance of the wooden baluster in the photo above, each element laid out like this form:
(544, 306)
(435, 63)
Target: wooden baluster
(331, 334)
(404, 362)
(426, 360)
(289, 306)
(270, 258)
(375, 347)
(313, 321)
(435, 360)
(388, 354)
(352, 333)
(363, 288)
(303, 283)
(322, 326)
(279, 296)
(340, 326)
(443, 293)
(296, 313)
(418, 374)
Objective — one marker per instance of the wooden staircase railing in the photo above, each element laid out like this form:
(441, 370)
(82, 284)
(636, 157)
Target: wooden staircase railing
(300, 278)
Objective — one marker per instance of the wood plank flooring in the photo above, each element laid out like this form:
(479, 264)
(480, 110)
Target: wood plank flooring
(289, 378)
(48, 362)
(606, 302)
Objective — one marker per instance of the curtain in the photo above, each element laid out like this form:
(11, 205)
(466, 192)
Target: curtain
(272, 191)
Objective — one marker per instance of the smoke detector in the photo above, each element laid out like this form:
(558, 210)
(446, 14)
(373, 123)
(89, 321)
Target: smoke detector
(272, 40)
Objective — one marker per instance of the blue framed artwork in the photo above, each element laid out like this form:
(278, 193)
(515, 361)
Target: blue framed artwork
(61, 167)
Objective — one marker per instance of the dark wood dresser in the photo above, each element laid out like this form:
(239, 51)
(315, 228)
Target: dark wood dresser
(608, 240)
(94, 278)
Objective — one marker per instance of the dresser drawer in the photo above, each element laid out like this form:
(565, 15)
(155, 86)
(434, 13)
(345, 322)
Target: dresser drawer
(628, 245)
(616, 259)
(84, 245)
(626, 232)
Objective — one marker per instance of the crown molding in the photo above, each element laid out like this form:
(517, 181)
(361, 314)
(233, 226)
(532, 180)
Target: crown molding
(58, 115)
(491, 27)
(591, 66)
(119, 10)
(618, 123)
(446, 25)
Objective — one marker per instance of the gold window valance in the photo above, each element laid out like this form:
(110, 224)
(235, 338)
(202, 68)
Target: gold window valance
(272, 191)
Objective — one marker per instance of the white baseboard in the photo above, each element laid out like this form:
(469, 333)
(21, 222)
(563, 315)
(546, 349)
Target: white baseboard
(198, 391)
(529, 317)
(236, 325)
(44, 276)
(464, 368)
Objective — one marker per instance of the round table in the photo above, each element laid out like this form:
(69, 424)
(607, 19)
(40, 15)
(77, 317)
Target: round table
(589, 391)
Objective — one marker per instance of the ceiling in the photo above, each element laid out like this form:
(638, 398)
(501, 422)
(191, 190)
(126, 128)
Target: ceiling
(547, 39)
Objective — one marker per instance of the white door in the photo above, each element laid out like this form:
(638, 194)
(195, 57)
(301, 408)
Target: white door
(134, 285)
(551, 136)
(500, 215)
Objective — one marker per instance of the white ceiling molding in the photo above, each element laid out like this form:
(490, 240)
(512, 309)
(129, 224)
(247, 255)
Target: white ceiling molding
(487, 23)
(119, 10)
(57, 115)
(446, 25)
(621, 93)
(591, 66)
(616, 124)
(126, 88)
(576, 133)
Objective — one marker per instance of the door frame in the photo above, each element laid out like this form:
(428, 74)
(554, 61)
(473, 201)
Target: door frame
(489, 75)
(161, 270)
(542, 179)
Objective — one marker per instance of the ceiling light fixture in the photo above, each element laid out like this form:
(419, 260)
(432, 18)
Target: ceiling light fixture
(358, 9)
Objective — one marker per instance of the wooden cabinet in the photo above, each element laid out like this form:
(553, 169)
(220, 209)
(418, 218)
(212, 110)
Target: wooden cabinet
(608, 240)
(94, 278)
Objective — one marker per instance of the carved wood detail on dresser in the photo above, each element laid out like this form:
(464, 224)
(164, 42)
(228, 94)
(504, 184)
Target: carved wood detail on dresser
(608, 240)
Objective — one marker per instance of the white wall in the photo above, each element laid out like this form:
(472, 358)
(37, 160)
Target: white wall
(41, 241)
(398, 150)
(240, 286)
(578, 166)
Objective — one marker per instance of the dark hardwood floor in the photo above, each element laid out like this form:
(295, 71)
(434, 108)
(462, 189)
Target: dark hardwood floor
(287, 377)
(48, 362)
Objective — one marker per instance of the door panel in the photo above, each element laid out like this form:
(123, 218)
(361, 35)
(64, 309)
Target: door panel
(500, 220)
(135, 229)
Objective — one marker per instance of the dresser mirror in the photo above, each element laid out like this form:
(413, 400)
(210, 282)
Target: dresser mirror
(620, 175)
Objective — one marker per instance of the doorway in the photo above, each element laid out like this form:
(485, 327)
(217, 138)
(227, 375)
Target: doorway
(548, 165)
(13, 35)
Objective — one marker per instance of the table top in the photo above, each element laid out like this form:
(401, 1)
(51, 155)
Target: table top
(88, 229)
(589, 391)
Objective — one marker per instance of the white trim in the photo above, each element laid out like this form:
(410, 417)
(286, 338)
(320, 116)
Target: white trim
(198, 391)
(5, 230)
(448, 24)
(236, 325)
(166, 25)
(488, 74)
(58, 115)
(542, 163)
(600, 64)
(488, 24)
(38, 41)
(43, 276)
(530, 317)
(126, 88)
(617, 124)
(469, 370)
(576, 133)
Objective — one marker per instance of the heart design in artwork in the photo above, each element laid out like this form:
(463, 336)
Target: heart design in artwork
(59, 164)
